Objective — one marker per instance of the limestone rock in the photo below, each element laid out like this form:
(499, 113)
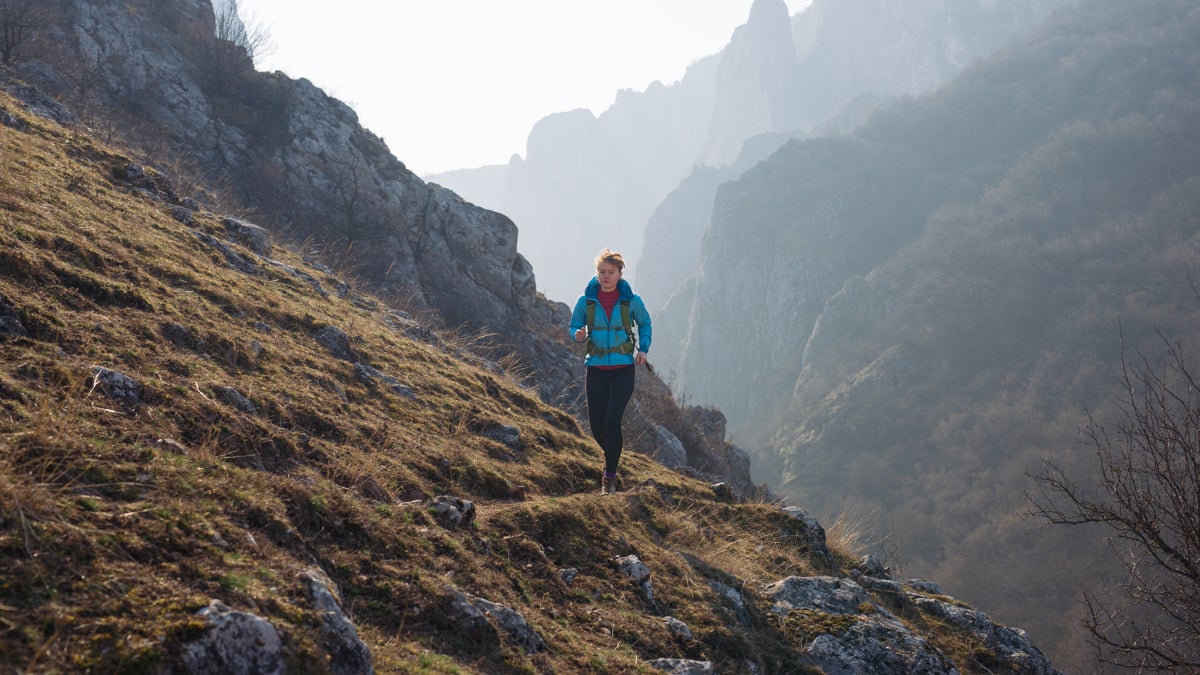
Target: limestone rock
(117, 386)
(251, 236)
(682, 666)
(733, 600)
(813, 532)
(348, 654)
(828, 594)
(10, 321)
(236, 399)
(511, 623)
(504, 433)
(337, 342)
(670, 451)
(878, 646)
(678, 627)
(1009, 645)
(368, 375)
(236, 643)
(452, 511)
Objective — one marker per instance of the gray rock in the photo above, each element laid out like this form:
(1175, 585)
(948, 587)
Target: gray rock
(467, 619)
(10, 321)
(337, 342)
(368, 375)
(636, 570)
(236, 643)
(183, 215)
(813, 532)
(828, 594)
(884, 647)
(568, 575)
(235, 398)
(632, 567)
(235, 259)
(731, 598)
(452, 511)
(923, 586)
(669, 449)
(117, 386)
(870, 566)
(504, 433)
(253, 237)
(348, 654)
(179, 335)
(1010, 645)
(682, 666)
(42, 104)
(678, 627)
(11, 121)
(511, 623)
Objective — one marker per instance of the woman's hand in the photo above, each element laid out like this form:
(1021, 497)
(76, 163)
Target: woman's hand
(581, 335)
(640, 358)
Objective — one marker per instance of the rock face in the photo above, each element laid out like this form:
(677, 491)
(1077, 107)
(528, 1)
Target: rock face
(298, 155)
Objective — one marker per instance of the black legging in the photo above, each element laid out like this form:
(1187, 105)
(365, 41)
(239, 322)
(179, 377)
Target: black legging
(608, 392)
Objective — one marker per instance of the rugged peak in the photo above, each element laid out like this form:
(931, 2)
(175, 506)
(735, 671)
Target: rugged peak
(753, 88)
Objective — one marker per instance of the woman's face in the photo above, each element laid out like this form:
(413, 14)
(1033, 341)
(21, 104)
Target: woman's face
(609, 275)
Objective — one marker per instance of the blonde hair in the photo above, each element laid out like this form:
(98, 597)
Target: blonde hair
(612, 257)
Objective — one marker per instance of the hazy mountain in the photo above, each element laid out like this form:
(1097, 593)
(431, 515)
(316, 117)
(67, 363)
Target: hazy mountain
(587, 182)
(911, 317)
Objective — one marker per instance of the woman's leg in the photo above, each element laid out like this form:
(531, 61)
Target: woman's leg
(620, 390)
(595, 386)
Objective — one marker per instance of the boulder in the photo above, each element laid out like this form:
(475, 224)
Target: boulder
(253, 237)
(348, 654)
(504, 433)
(669, 450)
(511, 623)
(236, 399)
(813, 533)
(117, 386)
(235, 643)
(677, 627)
(337, 342)
(10, 321)
(452, 512)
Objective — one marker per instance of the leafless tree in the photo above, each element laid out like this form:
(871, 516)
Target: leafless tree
(20, 21)
(1147, 495)
(231, 28)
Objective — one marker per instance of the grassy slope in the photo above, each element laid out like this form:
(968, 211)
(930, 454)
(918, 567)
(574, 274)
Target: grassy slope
(112, 539)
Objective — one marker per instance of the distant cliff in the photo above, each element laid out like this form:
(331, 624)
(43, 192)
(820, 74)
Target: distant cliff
(914, 315)
(587, 182)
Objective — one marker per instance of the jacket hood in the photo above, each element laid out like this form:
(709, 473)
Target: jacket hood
(593, 289)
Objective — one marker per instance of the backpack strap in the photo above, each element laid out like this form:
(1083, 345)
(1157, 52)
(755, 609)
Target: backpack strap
(626, 347)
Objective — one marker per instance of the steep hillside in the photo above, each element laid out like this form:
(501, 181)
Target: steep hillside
(218, 456)
(927, 307)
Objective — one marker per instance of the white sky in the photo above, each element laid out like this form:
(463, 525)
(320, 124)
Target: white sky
(453, 84)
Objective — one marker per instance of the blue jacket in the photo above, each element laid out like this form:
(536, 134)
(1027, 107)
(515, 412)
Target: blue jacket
(605, 339)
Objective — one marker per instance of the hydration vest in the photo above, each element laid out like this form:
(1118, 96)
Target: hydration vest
(626, 347)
